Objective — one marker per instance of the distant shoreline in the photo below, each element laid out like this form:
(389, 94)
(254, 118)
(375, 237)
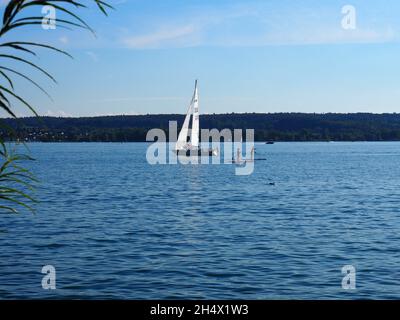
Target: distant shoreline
(277, 127)
(150, 142)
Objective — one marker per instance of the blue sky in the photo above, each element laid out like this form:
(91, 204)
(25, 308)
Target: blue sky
(249, 56)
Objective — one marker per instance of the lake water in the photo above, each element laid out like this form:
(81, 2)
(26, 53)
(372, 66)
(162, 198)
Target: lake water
(115, 227)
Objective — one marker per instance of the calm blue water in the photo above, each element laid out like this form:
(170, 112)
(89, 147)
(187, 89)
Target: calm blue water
(115, 227)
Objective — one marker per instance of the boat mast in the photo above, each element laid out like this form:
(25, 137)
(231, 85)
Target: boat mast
(195, 121)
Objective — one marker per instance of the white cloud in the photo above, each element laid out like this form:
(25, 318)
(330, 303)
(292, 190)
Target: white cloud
(138, 99)
(63, 39)
(257, 25)
(328, 36)
(163, 36)
(92, 56)
(57, 113)
(125, 113)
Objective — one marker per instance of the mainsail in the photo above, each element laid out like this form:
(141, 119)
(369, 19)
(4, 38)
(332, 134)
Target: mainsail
(193, 146)
(183, 134)
(182, 138)
(195, 122)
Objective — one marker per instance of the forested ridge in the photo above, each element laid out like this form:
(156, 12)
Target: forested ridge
(268, 126)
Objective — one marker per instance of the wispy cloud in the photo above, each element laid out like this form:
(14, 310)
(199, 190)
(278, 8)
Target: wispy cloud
(162, 37)
(63, 39)
(93, 56)
(124, 113)
(133, 99)
(328, 36)
(255, 24)
(57, 113)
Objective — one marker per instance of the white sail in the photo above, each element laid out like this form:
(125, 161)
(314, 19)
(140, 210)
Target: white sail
(183, 134)
(195, 122)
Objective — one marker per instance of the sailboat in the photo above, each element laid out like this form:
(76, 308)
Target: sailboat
(192, 147)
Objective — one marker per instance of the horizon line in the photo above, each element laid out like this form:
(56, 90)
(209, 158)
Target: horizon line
(204, 114)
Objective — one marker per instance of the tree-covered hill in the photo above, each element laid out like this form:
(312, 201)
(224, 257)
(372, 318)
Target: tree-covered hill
(271, 126)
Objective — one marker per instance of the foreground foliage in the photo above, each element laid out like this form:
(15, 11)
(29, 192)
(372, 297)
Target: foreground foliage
(16, 181)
